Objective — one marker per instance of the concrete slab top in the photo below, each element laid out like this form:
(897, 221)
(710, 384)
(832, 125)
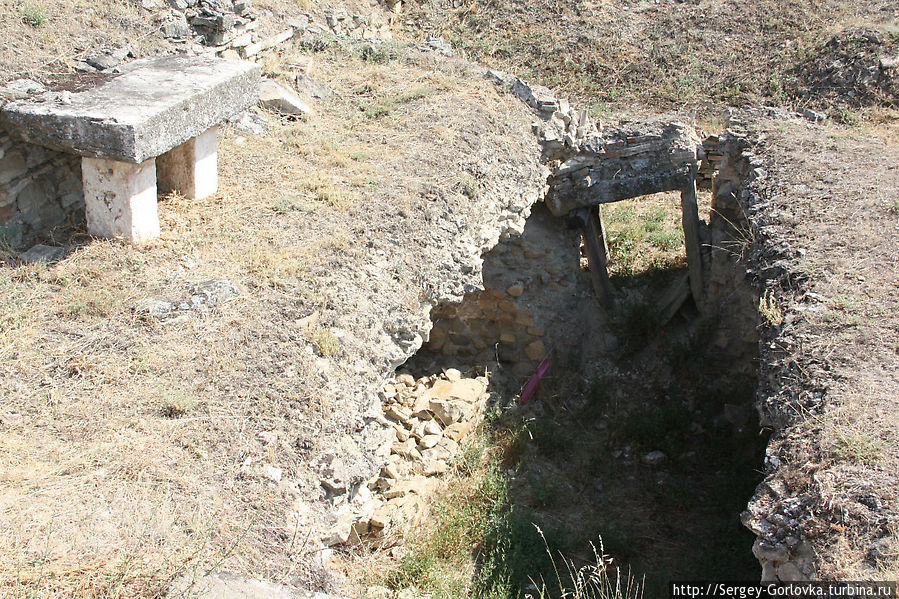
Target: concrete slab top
(153, 106)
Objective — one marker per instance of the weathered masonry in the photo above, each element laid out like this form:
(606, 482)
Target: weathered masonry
(151, 128)
(622, 163)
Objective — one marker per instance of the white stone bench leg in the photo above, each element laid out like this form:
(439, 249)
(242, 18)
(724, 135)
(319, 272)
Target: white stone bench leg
(120, 198)
(191, 168)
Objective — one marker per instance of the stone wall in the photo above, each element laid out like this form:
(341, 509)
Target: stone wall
(740, 247)
(727, 240)
(537, 301)
(39, 190)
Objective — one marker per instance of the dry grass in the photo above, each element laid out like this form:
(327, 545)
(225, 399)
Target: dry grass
(68, 30)
(840, 221)
(659, 56)
(129, 450)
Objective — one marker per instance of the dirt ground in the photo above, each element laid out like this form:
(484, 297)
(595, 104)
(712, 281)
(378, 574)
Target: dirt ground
(667, 55)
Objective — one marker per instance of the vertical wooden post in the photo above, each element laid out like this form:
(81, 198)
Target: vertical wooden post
(691, 240)
(602, 232)
(594, 240)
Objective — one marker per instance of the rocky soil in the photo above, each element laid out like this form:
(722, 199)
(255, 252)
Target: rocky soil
(822, 204)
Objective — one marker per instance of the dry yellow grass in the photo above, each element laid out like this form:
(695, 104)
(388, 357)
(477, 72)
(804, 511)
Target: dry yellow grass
(128, 441)
(72, 30)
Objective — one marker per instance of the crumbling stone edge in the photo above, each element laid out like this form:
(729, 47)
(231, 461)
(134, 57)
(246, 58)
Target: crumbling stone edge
(780, 511)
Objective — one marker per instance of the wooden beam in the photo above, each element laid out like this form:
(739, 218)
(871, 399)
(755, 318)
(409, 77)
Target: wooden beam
(602, 233)
(673, 299)
(691, 239)
(594, 241)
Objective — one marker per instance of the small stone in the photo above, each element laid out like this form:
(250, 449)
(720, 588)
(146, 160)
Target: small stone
(405, 448)
(499, 77)
(458, 430)
(381, 517)
(391, 471)
(154, 307)
(230, 54)
(468, 390)
(535, 351)
(446, 411)
(398, 413)
(418, 430)
(536, 332)
(361, 527)
(342, 533)
(429, 441)
(406, 379)
(272, 473)
(507, 306)
(311, 88)
(508, 338)
(334, 486)
(789, 572)
(515, 290)
(274, 96)
(402, 434)
(813, 116)
(110, 59)
(431, 427)
(176, 28)
(452, 375)
(212, 293)
(25, 86)
(654, 458)
(43, 253)
(435, 468)
(267, 437)
(378, 592)
(11, 419)
(249, 121)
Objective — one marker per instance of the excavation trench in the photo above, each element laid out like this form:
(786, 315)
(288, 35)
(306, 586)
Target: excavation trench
(641, 434)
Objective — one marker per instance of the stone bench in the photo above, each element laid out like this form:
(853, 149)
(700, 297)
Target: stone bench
(151, 128)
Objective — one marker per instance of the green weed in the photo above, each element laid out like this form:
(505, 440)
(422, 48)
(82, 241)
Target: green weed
(176, 404)
(389, 103)
(34, 14)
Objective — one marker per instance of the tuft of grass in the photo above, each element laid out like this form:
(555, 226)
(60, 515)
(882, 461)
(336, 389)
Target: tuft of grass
(382, 53)
(176, 404)
(769, 308)
(325, 342)
(854, 445)
(34, 14)
(596, 580)
(666, 239)
(391, 102)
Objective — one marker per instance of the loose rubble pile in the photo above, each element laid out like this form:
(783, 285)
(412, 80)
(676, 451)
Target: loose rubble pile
(563, 129)
(231, 28)
(431, 417)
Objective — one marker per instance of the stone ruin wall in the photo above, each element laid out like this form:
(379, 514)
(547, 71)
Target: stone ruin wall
(537, 302)
(739, 253)
(729, 293)
(39, 189)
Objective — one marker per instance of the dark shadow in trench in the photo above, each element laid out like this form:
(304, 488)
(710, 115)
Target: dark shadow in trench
(642, 435)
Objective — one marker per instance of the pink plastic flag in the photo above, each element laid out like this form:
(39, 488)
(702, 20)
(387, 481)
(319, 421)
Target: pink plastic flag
(529, 389)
